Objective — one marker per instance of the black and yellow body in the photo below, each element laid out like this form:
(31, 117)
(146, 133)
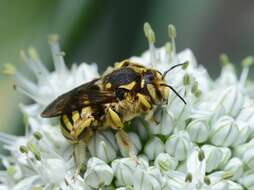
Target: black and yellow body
(120, 94)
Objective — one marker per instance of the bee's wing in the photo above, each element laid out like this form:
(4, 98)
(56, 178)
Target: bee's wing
(88, 94)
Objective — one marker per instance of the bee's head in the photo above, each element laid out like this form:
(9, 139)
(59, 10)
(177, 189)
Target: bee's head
(157, 87)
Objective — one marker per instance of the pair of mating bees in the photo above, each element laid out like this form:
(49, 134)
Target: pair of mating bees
(120, 94)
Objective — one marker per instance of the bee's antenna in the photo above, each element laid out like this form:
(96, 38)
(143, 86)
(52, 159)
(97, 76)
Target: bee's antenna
(185, 64)
(179, 96)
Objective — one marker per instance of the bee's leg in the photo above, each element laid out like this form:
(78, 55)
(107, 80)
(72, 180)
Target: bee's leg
(113, 119)
(80, 149)
(79, 154)
(125, 144)
(144, 102)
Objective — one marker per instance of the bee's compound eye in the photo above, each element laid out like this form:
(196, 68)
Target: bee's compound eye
(120, 93)
(149, 77)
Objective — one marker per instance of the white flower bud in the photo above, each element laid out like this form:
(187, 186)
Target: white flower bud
(248, 157)
(139, 126)
(148, 179)
(178, 145)
(98, 173)
(240, 150)
(177, 107)
(165, 127)
(123, 170)
(198, 131)
(235, 165)
(247, 115)
(226, 155)
(215, 157)
(217, 113)
(153, 148)
(244, 133)
(103, 146)
(224, 132)
(135, 142)
(165, 162)
(233, 101)
(247, 180)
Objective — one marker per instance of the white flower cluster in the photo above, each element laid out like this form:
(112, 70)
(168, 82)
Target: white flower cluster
(207, 144)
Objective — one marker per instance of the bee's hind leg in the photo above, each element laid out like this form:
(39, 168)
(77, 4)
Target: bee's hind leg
(80, 148)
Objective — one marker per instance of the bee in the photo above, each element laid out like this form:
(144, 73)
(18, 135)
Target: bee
(120, 94)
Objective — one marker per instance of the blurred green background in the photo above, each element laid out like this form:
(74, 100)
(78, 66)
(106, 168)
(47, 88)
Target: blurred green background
(107, 31)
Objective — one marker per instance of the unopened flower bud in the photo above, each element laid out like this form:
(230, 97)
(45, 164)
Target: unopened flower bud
(123, 171)
(240, 150)
(224, 132)
(246, 117)
(233, 101)
(247, 179)
(153, 148)
(248, 157)
(165, 162)
(139, 126)
(226, 155)
(135, 142)
(236, 166)
(244, 133)
(98, 173)
(148, 179)
(103, 146)
(215, 157)
(165, 126)
(178, 145)
(198, 131)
